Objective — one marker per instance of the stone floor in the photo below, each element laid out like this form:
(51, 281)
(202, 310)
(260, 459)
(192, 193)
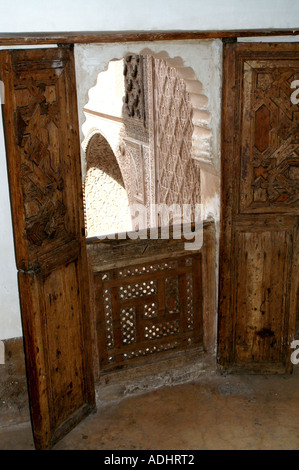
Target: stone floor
(212, 412)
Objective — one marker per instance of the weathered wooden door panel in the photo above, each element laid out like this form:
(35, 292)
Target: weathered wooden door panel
(41, 130)
(261, 290)
(258, 296)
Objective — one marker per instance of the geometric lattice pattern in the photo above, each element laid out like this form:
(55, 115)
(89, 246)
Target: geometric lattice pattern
(271, 153)
(148, 309)
(178, 174)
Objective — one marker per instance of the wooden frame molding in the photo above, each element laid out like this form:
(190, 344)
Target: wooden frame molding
(88, 37)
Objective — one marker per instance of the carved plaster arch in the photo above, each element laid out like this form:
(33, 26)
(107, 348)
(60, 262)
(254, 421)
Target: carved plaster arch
(201, 149)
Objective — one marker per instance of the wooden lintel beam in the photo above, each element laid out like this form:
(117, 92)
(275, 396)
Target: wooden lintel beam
(89, 37)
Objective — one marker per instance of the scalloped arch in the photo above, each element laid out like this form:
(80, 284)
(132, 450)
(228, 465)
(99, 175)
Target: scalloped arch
(201, 116)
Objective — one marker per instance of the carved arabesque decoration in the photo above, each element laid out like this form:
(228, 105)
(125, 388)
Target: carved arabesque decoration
(134, 88)
(136, 170)
(178, 176)
(272, 154)
(38, 121)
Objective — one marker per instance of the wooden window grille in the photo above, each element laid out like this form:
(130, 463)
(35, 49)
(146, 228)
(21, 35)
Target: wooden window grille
(148, 309)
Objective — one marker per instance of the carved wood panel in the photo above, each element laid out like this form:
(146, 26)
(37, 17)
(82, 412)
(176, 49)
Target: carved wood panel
(259, 256)
(43, 152)
(269, 152)
(38, 123)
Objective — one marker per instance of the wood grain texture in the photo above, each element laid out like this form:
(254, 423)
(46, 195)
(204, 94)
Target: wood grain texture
(149, 310)
(89, 37)
(258, 290)
(152, 298)
(41, 131)
(129, 248)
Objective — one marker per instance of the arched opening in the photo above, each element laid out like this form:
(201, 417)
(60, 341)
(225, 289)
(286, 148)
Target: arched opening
(105, 196)
(155, 116)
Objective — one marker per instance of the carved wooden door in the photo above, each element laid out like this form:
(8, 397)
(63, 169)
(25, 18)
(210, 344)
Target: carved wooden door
(260, 208)
(41, 131)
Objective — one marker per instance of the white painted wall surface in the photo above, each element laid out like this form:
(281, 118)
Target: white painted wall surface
(10, 323)
(113, 15)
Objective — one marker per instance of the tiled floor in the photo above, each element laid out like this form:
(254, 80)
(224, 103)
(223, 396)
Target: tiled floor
(213, 412)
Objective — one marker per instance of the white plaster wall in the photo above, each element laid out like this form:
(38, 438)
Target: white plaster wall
(10, 322)
(113, 15)
(107, 94)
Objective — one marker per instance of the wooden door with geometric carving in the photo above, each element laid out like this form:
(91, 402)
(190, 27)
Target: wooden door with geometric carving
(43, 152)
(259, 266)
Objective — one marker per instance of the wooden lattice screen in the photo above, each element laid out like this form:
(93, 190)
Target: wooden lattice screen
(148, 309)
(145, 307)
